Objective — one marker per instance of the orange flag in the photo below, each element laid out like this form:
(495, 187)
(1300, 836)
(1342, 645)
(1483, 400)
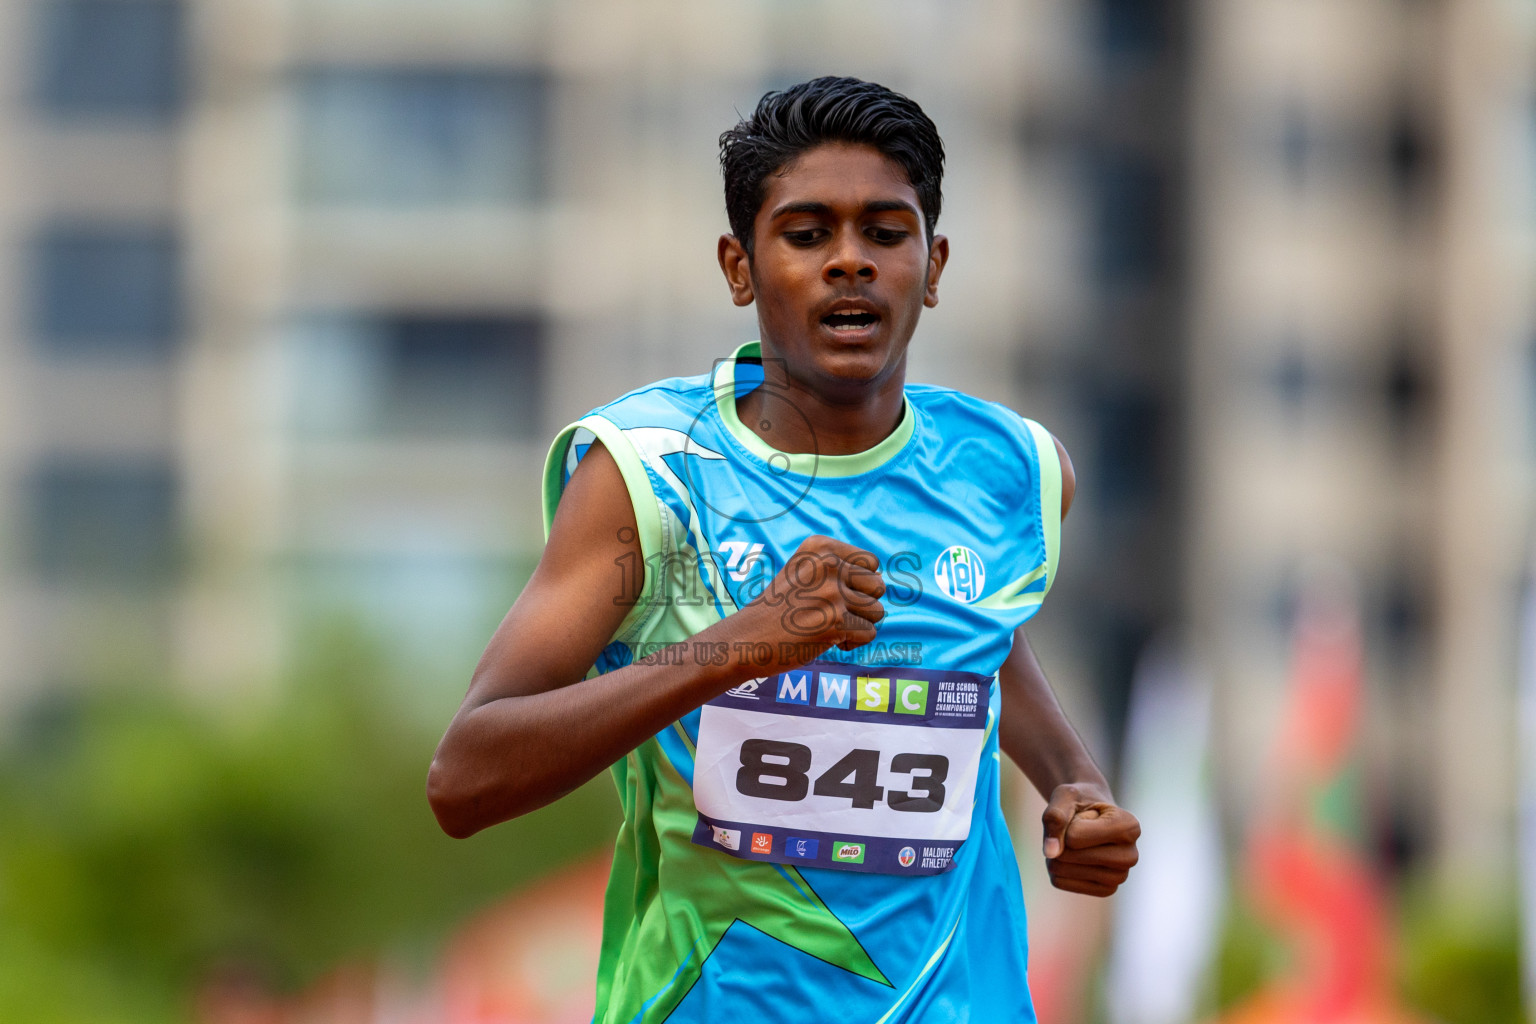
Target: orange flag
(1305, 872)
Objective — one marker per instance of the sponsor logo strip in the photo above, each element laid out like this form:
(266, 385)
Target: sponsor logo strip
(870, 854)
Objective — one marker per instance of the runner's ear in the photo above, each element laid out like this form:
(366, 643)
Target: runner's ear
(737, 267)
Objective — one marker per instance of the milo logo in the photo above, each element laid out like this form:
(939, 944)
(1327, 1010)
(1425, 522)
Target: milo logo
(848, 853)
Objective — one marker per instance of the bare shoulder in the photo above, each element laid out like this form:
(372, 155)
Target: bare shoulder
(594, 521)
(1068, 477)
(579, 593)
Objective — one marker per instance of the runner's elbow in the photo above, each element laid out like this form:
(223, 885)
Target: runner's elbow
(465, 802)
(451, 803)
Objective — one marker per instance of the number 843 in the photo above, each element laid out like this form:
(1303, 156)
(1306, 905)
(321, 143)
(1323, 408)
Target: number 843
(777, 770)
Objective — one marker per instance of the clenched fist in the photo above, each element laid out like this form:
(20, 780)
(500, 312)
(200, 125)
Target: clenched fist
(827, 595)
(1090, 843)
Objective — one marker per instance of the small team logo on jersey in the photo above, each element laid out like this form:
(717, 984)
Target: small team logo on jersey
(730, 838)
(960, 574)
(849, 853)
(746, 690)
(906, 857)
(805, 849)
(762, 842)
(743, 559)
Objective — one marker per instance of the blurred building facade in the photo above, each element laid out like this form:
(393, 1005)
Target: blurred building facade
(294, 294)
(1359, 386)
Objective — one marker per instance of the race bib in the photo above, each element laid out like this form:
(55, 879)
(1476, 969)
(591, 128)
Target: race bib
(838, 766)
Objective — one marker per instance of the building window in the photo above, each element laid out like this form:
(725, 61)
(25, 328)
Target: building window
(104, 523)
(1129, 230)
(1129, 433)
(107, 290)
(1297, 380)
(421, 137)
(1130, 28)
(112, 58)
(418, 376)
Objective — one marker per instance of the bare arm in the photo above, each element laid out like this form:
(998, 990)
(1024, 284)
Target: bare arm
(1068, 478)
(532, 728)
(1034, 731)
(1089, 842)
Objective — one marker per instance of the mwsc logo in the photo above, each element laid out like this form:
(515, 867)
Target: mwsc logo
(960, 574)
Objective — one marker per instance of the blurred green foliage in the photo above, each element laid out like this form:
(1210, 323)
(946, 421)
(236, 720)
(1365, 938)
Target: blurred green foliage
(1247, 954)
(147, 840)
(1460, 966)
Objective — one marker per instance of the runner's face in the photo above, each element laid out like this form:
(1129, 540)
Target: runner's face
(840, 267)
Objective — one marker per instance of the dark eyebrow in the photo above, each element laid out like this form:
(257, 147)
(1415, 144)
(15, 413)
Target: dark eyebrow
(805, 206)
(821, 209)
(892, 206)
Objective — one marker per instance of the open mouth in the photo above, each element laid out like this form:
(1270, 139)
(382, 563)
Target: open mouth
(850, 321)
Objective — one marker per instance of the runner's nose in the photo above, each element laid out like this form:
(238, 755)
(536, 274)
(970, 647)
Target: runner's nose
(849, 259)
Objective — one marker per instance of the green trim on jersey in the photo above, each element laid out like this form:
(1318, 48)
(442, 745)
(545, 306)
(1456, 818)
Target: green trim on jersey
(641, 497)
(804, 463)
(938, 955)
(1050, 498)
(1010, 594)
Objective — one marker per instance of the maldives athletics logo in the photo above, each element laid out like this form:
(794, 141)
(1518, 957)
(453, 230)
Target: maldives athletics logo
(907, 857)
(960, 574)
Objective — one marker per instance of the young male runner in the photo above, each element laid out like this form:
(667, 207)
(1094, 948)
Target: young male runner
(783, 601)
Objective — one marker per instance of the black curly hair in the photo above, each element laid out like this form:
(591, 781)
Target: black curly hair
(829, 109)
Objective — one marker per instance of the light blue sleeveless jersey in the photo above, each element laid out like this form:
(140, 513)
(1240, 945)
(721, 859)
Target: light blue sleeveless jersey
(827, 843)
